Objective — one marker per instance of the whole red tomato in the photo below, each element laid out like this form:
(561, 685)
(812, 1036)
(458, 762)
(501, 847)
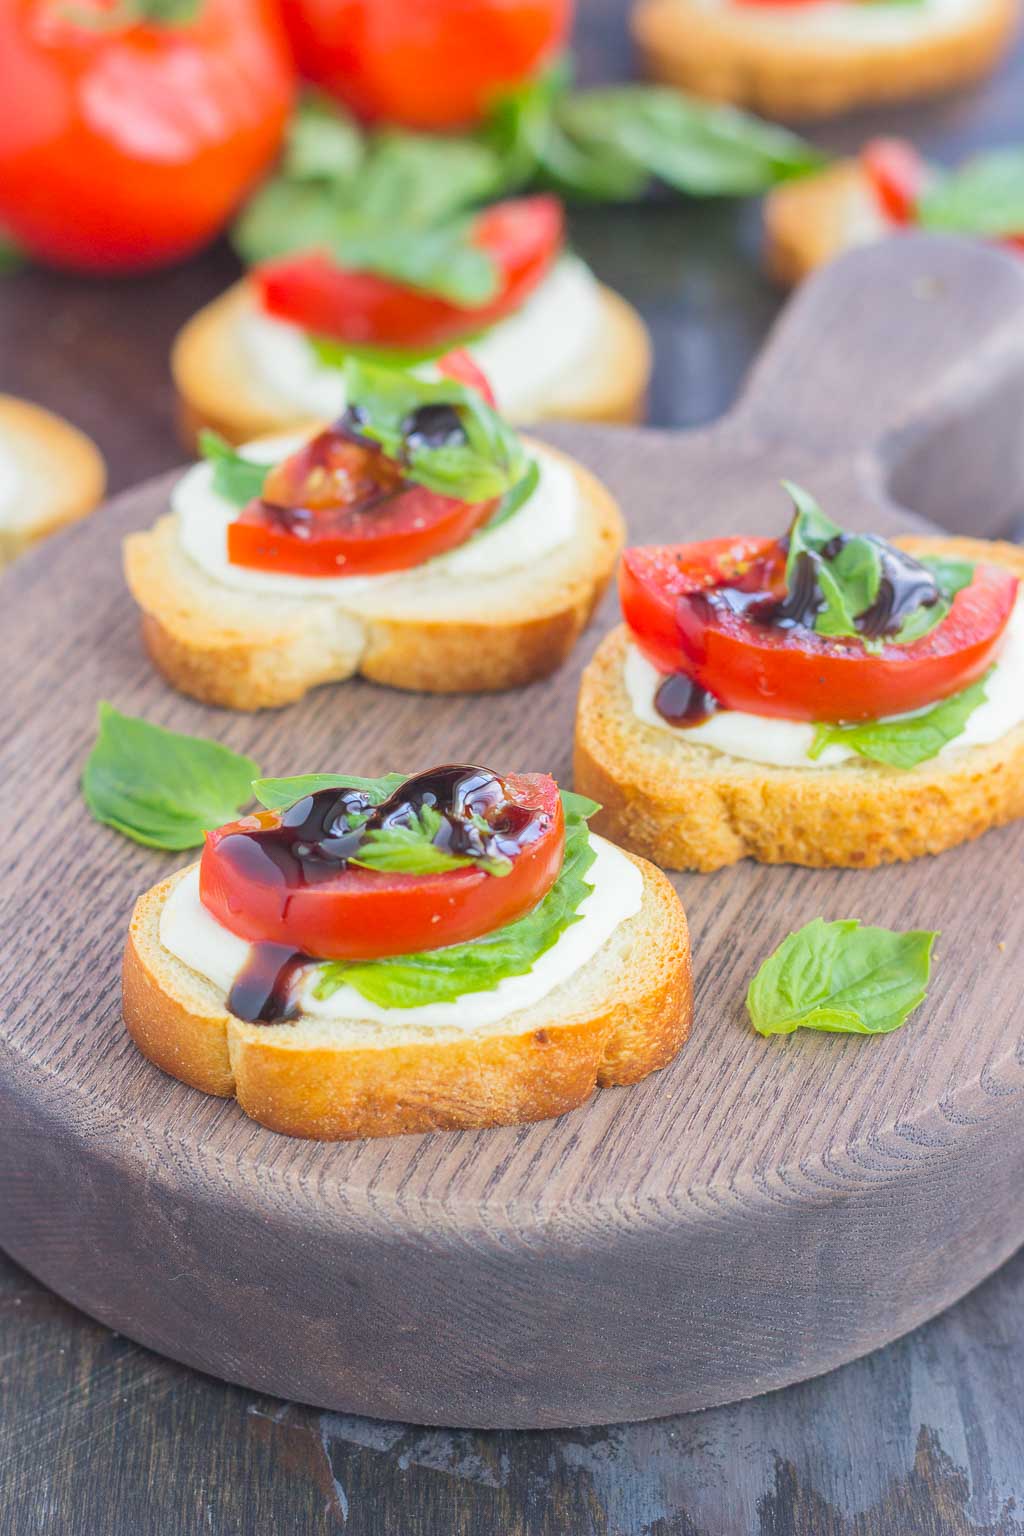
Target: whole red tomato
(127, 142)
(423, 63)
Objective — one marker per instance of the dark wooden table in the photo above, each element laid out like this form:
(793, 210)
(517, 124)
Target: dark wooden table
(100, 1438)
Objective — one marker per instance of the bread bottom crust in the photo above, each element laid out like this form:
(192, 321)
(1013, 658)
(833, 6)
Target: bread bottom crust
(340, 1093)
(215, 389)
(64, 473)
(720, 54)
(249, 651)
(690, 807)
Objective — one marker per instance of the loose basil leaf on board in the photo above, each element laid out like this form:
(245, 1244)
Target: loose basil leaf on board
(237, 479)
(984, 197)
(161, 788)
(903, 743)
(694, 146)
(842, 978)
(483, 461)
(441, 975)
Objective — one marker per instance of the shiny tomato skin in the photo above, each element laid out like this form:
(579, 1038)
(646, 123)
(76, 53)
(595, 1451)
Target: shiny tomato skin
(431, 64)
(365, 914)
(797, 674)
(898, 176)
(126, 148)
(523, 235)
(413, 526)
(462, 366)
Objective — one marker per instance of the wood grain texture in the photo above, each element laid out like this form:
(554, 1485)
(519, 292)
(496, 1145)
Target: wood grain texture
(755, 1214)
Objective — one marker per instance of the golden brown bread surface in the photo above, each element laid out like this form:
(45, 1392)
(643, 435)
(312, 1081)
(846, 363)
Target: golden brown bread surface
(252, 651)
(59, 473)
(689, 807)
(724, 54)
(626, 1014)
(810, 221)
(217, 389)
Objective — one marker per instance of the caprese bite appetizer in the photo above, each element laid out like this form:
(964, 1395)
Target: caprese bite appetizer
(814, 58)
(366, 957)
(824, 698)
(50, 475)
(889, 188)
(418, 541)
(271, 352)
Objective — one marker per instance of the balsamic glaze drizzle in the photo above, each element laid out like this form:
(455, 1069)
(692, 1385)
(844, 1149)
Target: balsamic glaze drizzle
(314, 839)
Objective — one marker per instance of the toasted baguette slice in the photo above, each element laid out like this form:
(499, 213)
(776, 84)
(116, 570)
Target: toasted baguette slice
(725, 52)
(217, 389)
(58, 474)
(246, 650)
(690, 807)
(622, 1016)
(809, 222)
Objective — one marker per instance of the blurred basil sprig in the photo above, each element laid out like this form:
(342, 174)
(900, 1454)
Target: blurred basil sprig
(400, 204)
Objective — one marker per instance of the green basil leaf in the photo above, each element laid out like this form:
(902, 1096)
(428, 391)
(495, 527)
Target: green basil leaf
(514, 499)
(984, 197)
(424, 180)
(161, 788)
(905, 742)
(335, 354)
(694, 146)
(237, 479)
(411, 850)
(442, 975)
(842, 978)
(324, 143)
(11, 258)
(491, 460)
(524, 129)
(278, 794)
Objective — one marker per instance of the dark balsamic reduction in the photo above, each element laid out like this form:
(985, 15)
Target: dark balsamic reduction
(682, 702)
(314, 839)
(905, 586)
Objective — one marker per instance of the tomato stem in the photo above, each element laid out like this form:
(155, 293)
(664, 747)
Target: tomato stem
(114, 15)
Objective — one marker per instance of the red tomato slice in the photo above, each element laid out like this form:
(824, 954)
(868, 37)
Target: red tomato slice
(259, 893)
(898, 177)
(523, 236)
(795, 673)
(461, 366)
(337, 508)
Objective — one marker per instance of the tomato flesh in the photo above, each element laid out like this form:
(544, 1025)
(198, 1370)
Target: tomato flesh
(523, 236)
(898, 176)
(462, 367)
(431, 64)
(795, 673)
(125, 147)
(365, 914)
(337, 508)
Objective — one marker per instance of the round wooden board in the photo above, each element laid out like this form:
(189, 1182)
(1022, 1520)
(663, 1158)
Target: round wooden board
(757, 1213)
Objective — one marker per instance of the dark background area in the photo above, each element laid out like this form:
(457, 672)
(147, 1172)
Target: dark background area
(100, 1438)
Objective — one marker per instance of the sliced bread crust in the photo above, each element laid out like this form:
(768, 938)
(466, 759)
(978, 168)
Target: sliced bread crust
(60, 472)
(690, 807)
(246, 650)
(811, 221)
(626, 1014)
(723, 54)
(217, 389)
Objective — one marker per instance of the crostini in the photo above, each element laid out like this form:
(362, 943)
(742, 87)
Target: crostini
(824, 698)
(373, 957)
(887, 189)
(420, 542)
(815, 58)
(270, 353)
(50, 474)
